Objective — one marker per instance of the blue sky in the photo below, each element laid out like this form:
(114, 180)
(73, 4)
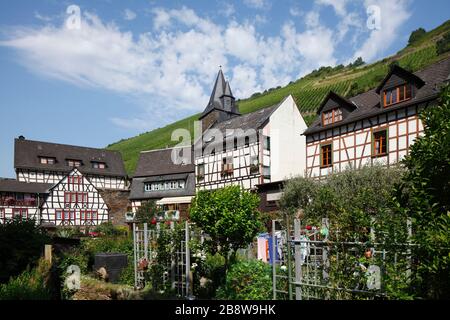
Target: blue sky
(133, 66)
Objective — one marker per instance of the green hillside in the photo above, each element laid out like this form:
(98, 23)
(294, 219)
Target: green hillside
(308, 92)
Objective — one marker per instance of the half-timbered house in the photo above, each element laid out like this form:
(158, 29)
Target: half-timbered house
(158, 178)
(44, 162)
(21, 199)
(377, 126)
(74, 201)
(250, 149)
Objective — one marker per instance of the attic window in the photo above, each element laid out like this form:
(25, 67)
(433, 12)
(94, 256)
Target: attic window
(47, 160)
(397, 95)
(332, 116)
(74, 163)
(98, 165)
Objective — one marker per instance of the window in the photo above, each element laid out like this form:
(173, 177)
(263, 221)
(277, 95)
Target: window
(201, 172)
(166, 185)
(266, 172)
(74, 163)
(227, 166)
(75, 197)
(379, 147)
(397, 95)
(326, 156)
(266, 143)
(20, 212)
(332, 116)
(98, 165)
(254, 165)
(2, 214)
(47, 160)
(75, 182)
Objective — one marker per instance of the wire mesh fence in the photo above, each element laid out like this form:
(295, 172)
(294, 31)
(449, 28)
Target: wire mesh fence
(314, 264)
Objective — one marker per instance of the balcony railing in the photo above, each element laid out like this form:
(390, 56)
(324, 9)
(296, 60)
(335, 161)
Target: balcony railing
(11, 202)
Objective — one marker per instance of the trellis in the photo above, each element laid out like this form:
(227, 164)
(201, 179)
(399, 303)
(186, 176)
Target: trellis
(315, 267)
(145, 253)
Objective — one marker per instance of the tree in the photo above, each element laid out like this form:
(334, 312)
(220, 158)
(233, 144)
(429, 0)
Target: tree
(358, 62)
(443, 45)
(416, 35)
(424, 195)
(21, 245)
(147, 212)
(229, 216)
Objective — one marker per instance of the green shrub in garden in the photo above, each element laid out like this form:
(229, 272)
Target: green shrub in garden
(21, 245)
(29, 285)
(247, 280)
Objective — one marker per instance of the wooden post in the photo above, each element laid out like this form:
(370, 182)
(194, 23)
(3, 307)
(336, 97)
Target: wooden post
(48, 253)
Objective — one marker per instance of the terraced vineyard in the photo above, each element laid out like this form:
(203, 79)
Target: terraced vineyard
(308, 92)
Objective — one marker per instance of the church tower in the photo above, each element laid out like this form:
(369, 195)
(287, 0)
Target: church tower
(221, 105)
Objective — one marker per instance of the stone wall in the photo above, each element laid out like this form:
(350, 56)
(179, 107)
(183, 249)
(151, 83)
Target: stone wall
(118, 203)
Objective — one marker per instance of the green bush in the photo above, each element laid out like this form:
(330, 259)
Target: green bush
(21, 245)
(108, 229)
(443, 45)
(416, 35)
(29, 285)
(247, 280)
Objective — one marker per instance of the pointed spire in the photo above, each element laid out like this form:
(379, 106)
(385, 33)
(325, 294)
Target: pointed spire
(219, 88)
(220, 91)
(228, 90)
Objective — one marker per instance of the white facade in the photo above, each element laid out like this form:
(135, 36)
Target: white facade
(284, 158)
(74, 201)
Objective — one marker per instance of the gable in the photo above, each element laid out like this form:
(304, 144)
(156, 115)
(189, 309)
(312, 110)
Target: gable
(398, 76)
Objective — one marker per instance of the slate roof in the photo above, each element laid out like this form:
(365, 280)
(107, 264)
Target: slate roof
(14, 186)
(221, 88)
(368, 103)
(137, 188)
(158, 163)
(27, 153)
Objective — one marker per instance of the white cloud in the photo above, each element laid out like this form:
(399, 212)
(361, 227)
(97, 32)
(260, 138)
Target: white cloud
(295, 12)
(379, 41)
(172, 67)
(339, 6)
(227, 9)
(257, 4)
(41, 17)
(129, 15)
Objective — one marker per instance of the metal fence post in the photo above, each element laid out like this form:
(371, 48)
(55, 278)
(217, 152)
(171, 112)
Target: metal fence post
(188, 259)
(274, 271)
(172, 258)
(288, 230)
(135, 255)
(146, 241)
(298, 263)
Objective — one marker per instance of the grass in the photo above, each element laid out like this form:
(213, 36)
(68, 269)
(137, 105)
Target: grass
(308, 93)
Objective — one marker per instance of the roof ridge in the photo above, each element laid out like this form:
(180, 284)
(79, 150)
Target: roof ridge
(68, 145)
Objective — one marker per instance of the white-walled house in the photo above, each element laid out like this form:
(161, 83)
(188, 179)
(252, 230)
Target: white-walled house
(251, 149)
(74, 201)
(45, 162)
(375, 127)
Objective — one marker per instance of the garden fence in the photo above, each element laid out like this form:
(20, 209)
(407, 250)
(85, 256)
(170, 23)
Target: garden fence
(314, 264)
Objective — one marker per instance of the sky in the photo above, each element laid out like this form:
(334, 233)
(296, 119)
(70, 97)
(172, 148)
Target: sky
(92, 72)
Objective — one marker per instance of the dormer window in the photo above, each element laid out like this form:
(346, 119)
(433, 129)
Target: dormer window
(397, 95)
(47, 160)
(98, 165)
(74, 163)
(332, 116)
